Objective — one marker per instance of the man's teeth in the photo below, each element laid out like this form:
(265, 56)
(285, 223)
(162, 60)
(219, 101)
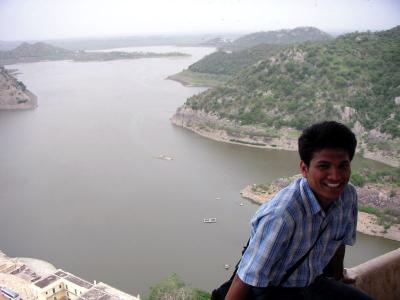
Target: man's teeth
(333, 185)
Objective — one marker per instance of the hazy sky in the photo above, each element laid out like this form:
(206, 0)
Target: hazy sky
(45, 19)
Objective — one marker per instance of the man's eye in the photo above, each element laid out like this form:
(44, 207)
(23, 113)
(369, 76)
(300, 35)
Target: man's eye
(323, 167)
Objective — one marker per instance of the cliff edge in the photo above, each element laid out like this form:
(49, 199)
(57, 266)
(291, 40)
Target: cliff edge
(14, 94)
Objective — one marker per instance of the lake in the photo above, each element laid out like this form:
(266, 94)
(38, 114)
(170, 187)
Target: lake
(82, 188)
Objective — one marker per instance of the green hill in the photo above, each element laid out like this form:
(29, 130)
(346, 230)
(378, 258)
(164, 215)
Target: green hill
(225, 63)
(283, 36)
(354, 79)
(243, 52)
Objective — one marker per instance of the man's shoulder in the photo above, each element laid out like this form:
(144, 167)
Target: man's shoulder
(350, 191)
(351, 188)
(348, 198)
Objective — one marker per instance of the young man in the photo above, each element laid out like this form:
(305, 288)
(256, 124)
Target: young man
(317, 212)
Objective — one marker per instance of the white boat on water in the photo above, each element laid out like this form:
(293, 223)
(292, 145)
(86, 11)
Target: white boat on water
(165, 157)
(210, 220)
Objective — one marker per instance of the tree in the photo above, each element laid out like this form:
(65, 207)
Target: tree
(173, 288)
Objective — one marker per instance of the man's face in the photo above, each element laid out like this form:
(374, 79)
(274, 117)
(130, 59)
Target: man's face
(328, 174)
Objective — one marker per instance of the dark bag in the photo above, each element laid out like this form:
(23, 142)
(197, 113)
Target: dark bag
(255, 292)
(220, 293)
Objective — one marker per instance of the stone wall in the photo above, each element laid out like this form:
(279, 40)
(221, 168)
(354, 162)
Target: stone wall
(379, 277)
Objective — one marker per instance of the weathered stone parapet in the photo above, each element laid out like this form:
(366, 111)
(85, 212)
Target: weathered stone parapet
(379, 277)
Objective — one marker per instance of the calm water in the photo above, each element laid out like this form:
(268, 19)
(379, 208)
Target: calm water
(81, 188)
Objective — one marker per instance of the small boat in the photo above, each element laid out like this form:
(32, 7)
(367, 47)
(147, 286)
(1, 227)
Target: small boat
(226, 267)
(241, 204)
(218, 198)
(165, 157)
(210, 220)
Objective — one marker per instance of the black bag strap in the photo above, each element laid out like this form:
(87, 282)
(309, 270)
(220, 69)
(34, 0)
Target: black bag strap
(293, 268)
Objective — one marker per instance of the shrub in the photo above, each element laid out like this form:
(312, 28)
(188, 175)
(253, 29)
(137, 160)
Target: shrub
(173, 288)
(357, 179)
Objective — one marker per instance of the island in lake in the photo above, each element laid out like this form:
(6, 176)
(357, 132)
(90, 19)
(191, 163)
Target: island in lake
(40, 51)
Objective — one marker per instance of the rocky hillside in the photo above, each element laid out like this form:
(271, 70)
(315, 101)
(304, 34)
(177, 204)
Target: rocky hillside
(354, 79)
(14, 94)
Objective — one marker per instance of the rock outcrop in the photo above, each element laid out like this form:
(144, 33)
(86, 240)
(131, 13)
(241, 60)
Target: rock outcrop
(14, 94)
(212, 126)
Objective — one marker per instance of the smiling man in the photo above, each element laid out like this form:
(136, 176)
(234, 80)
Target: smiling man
(298, 238)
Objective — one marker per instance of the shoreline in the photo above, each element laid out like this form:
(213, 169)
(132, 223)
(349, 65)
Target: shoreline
(182, 81)
(198, 122)
(193, 79)
(367, 223)
(281, 144)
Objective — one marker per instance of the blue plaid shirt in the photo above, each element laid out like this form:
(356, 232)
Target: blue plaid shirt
(285, 228)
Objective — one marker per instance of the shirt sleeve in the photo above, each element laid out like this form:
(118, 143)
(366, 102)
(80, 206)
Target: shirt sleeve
(351, 228)
(268, 241)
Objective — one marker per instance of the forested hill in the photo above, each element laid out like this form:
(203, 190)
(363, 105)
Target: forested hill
(283, 36)
(224, 63)
(254, 47)
(354, 78)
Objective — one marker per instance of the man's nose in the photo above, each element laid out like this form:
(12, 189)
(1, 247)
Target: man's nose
(334, 173)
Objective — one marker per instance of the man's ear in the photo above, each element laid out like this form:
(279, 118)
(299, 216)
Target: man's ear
(303, 169)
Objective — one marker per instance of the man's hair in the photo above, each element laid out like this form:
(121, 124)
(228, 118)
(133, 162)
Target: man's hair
(326, 135)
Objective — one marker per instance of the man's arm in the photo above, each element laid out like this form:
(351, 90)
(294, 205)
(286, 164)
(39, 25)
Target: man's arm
(238, 290)
(335, 266)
